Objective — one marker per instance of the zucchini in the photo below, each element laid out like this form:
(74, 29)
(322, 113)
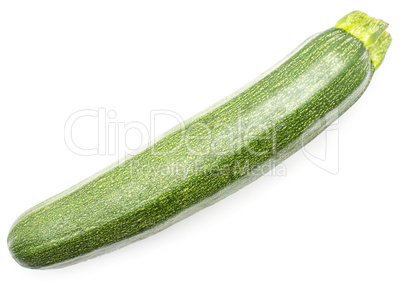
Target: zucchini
(212, 155)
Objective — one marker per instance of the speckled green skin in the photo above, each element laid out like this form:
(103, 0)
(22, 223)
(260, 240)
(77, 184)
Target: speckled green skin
(267, 122)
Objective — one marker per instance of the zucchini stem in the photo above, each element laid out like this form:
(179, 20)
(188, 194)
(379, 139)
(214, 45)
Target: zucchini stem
(370, 31)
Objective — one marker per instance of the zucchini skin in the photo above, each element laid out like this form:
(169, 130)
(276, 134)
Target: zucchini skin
(216, 153)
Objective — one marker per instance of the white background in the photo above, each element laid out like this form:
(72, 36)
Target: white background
(58, 57)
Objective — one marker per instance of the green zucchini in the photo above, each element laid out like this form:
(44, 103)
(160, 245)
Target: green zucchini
(212, 155)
